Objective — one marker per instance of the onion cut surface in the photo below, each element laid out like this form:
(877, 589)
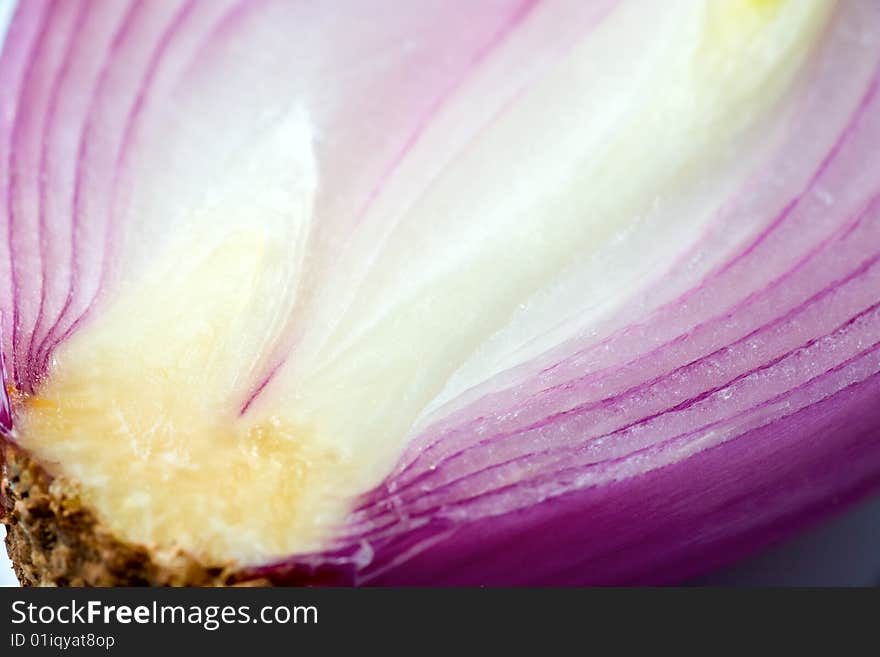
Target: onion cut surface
(506, 292)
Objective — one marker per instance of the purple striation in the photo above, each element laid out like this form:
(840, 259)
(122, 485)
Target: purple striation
(5, 406)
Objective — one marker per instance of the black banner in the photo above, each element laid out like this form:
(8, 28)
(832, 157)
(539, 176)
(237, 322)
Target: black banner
(254, 621)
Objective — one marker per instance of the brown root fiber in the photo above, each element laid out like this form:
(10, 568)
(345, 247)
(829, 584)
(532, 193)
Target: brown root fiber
(54, 540)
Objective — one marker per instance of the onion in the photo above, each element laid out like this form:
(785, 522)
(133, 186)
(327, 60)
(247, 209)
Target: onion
(508, 293)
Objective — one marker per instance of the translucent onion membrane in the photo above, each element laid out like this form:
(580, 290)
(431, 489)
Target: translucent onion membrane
(497, 292)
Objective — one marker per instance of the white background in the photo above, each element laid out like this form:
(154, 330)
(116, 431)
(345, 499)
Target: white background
(845, 551)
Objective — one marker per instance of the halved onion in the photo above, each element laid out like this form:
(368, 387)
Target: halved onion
(503, 292)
